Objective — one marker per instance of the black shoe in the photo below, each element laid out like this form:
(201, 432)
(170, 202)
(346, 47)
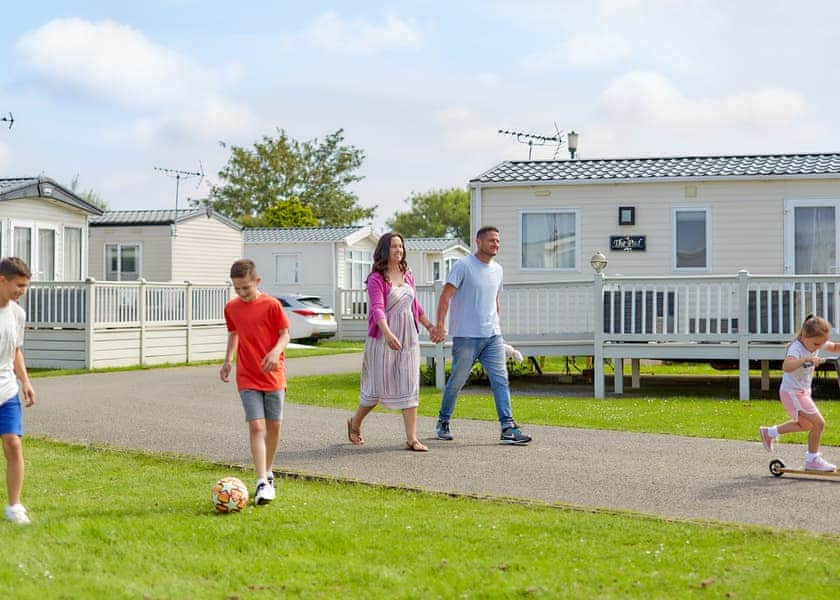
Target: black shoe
(513, 435)
(443, 432)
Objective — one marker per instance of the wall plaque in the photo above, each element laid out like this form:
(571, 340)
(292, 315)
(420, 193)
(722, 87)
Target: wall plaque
(628, 243)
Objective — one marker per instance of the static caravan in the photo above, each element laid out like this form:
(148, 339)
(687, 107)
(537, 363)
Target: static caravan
(196, 245)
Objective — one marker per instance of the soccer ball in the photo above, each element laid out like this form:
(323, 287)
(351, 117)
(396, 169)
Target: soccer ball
(230, 495)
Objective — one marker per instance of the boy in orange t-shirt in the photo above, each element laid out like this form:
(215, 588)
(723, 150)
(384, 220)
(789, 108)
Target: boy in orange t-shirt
(258, 333)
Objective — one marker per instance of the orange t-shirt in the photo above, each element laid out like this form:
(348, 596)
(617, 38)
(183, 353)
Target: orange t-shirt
(258, 324)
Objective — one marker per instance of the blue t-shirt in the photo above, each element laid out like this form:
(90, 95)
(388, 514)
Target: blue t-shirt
(472, 310)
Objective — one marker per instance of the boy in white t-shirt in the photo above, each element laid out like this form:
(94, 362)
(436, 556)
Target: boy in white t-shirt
(14, 279)
(801, 358)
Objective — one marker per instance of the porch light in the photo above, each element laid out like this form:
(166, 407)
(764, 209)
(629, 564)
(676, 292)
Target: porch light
(598, 261)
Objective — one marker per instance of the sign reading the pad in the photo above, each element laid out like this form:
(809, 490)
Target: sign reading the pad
(628, 243)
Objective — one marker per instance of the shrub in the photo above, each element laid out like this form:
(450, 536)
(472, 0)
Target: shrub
(477, 375)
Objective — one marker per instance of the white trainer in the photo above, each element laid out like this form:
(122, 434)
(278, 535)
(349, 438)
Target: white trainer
(265, 493)
(818, 463)
(17, 514)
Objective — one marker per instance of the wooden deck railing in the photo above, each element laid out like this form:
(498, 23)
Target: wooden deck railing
(702, 316)
(74, 305)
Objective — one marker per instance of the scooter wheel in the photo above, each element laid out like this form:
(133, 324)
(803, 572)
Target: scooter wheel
(776, 467)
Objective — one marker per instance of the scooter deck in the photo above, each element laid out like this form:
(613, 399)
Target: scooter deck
(777, 468)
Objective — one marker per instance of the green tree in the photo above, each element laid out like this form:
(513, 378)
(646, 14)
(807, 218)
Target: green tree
(439, 213)
(275, 169)
(285, 213)
(88, 196)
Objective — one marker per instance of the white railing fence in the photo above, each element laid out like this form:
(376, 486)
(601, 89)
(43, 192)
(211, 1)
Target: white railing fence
(709, 309)
(545, 309)
(75, 305)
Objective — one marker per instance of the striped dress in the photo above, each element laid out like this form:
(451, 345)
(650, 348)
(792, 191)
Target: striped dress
(392, 377)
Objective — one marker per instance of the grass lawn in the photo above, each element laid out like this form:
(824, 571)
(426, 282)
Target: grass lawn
(681, 415)
(325, 347)
(119, 524)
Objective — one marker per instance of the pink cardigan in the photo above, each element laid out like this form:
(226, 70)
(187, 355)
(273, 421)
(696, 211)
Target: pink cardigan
(378, 290)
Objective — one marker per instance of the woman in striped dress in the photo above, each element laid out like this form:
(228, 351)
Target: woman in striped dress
(391, 363)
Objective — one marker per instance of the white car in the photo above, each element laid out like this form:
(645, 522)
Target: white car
(308, 317)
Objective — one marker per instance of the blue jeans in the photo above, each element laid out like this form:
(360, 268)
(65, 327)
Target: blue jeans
(490, 352)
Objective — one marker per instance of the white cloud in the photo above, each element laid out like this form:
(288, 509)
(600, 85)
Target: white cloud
(582, 51)
(109, 61)
(177, 99)
(462, 130)
(650, 99)
(5, 154)
(331, 32)
(208, 120)
(621, 7)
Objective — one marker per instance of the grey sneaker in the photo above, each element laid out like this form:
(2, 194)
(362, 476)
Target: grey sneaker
(513, 435)
(443, 432)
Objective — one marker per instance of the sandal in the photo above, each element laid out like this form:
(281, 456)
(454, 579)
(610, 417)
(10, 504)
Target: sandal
(354, 435)
(416, 446)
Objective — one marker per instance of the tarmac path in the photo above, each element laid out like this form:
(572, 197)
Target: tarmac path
(188, 411)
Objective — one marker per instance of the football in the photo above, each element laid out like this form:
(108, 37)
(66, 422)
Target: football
(230, 495)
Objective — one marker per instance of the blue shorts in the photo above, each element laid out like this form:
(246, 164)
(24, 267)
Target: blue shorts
(263, 405)
(10, 418)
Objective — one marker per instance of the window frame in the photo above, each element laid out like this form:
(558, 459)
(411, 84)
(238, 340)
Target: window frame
(64, 263)
(120, 246)
(350, 261)
(22, 224)
(708, 238)
(298, 270)
(550, 211)
(789, 233)
(38, 260)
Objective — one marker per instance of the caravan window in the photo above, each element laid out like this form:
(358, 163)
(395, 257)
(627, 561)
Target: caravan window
(72, 254)
(549, 240)
(23, 244)
(691, 238)
(46, 254)
(122, 262)
(287, 268)
(358, 264)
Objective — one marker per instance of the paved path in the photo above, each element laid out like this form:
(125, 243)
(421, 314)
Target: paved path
(189, 411)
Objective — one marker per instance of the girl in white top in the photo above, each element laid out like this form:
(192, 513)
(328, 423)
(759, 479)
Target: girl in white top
(801, 358)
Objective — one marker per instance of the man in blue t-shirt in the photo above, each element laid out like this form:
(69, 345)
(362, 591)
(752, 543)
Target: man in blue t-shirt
(473, 287)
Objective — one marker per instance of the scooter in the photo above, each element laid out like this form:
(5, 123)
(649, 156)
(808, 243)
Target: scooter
(778, 468)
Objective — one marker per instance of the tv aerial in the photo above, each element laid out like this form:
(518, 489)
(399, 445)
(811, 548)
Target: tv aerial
(179, 175)
(10, 120)
(533, 139)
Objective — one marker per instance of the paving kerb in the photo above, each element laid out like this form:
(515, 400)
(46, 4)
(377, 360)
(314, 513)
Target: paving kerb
(189, 411)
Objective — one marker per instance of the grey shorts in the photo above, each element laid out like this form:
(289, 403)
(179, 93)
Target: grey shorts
(263, 405)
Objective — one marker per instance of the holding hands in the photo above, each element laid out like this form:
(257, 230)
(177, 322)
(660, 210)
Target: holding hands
(437, 333)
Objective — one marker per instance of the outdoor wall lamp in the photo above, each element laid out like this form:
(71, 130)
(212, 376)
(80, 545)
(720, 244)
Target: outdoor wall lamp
(598, 261)
(572, 142)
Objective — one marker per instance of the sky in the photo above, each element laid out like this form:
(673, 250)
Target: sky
(108, 91)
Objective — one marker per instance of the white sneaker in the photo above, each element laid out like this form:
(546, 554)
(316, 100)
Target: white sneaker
(818, 463)
(17, 514)
(265, 493)
(270, 479)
